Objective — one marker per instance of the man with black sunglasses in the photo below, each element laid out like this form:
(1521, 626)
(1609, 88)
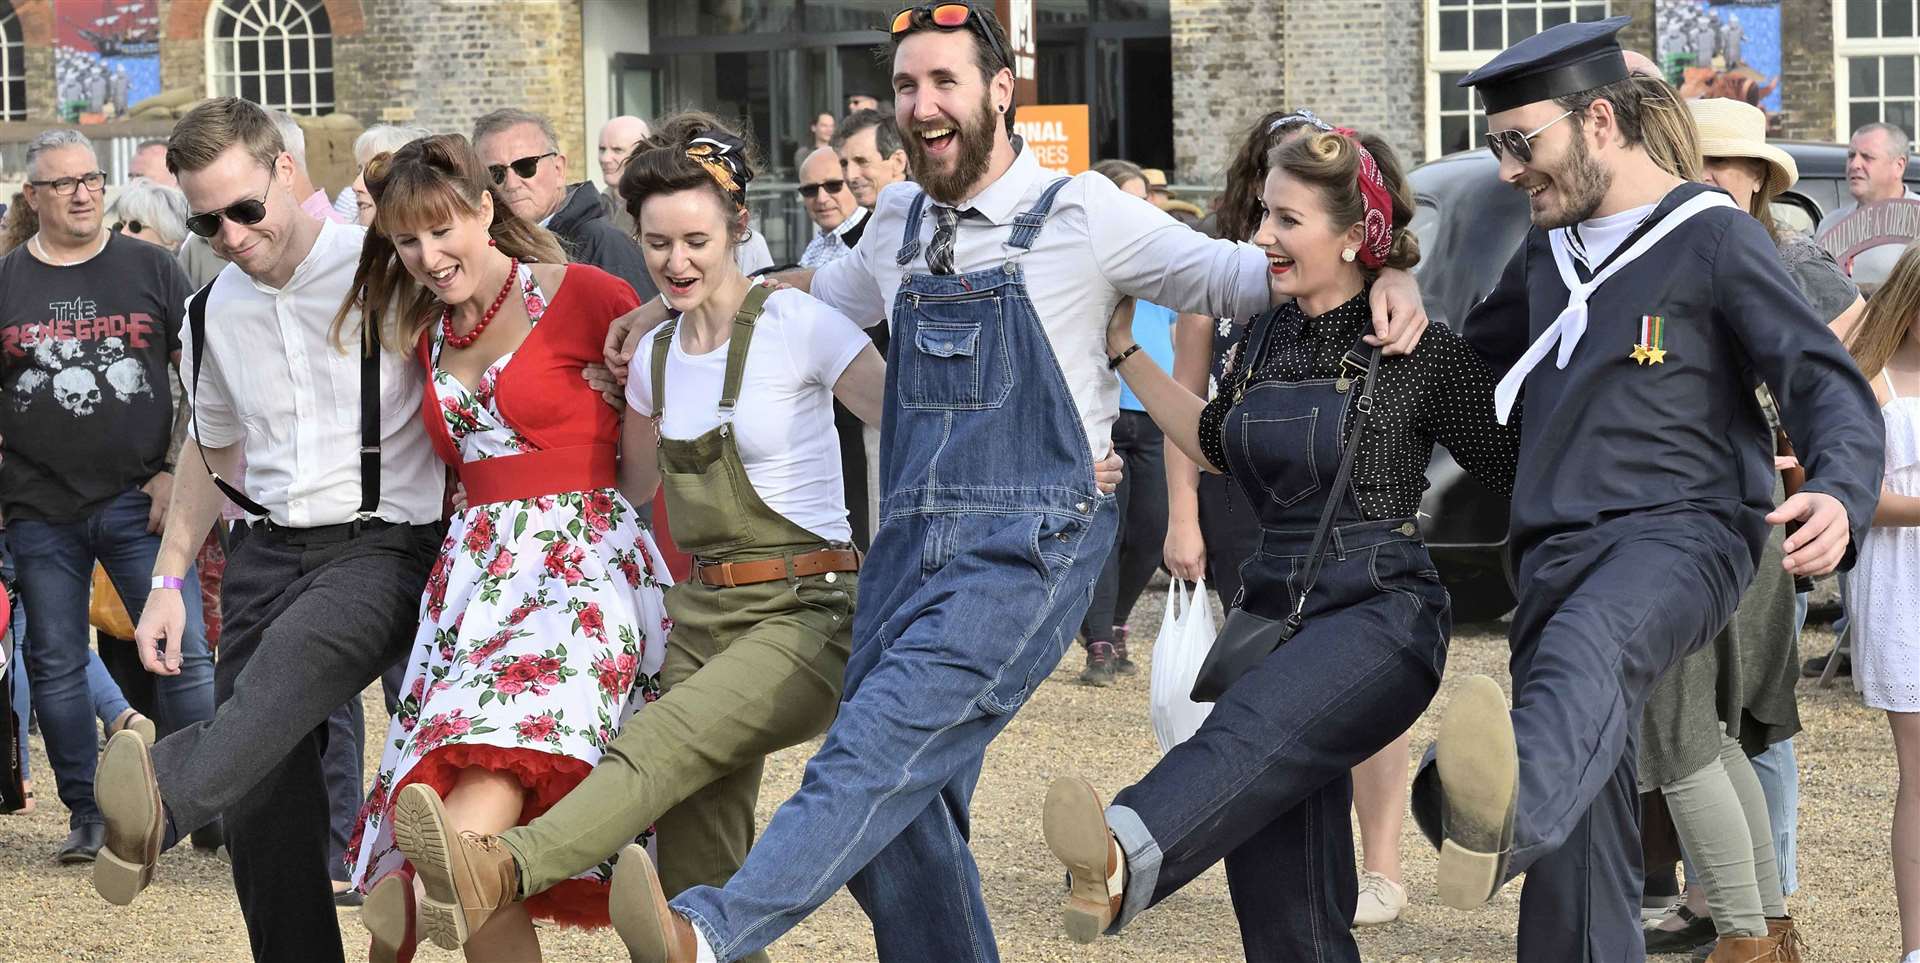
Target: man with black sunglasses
(522, 153)
(344, 497)
(89, 323)
(1634, 320)
(831, 207)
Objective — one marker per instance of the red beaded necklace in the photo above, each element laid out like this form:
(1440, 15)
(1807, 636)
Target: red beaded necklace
(466, 340)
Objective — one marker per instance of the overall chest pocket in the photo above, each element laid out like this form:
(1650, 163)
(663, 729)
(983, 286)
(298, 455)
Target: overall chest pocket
(1277, 453)
(958, 358)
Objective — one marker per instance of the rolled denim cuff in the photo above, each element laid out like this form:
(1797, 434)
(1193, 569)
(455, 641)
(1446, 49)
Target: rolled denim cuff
(1143, 863)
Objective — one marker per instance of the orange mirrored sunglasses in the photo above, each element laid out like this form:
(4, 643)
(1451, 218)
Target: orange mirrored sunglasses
(948, 15)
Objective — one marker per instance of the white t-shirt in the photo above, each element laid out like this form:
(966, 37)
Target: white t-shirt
(1592, 242)
(783, 420)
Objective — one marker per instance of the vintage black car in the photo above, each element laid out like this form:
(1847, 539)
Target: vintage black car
(1469, 224)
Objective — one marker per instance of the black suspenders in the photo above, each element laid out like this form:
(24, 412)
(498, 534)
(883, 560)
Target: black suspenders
(369, 413)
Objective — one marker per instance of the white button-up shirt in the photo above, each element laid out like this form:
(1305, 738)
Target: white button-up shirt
(1099, 244)
(272, 381)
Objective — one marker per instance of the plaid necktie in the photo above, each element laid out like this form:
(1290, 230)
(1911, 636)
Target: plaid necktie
(940, 252)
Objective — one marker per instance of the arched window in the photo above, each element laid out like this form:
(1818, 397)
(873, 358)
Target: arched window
(276, 53)
(13, 66)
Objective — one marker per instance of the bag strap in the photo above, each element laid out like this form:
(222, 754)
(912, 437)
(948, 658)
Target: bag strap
(1360, 357)
(197, 324)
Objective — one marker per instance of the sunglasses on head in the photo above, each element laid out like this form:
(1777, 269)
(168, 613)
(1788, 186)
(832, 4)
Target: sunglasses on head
(522, 168)
(1511, 141)
(246, 213)
(810, 191)
(950, 16)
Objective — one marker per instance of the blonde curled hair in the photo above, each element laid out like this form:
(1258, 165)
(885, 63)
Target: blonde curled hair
(1330, 162)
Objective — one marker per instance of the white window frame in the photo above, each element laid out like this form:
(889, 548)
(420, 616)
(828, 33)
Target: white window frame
(12, 44)
(1845, 49)
(1462, 61)
(282, 22)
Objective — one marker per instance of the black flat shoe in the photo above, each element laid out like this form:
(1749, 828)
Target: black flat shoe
(1697, 932)
(82, 845)
(209, 838)
(348, 897)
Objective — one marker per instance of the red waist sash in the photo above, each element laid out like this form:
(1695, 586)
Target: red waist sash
(550, 472)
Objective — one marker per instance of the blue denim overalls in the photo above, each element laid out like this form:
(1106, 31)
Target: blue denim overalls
(1264, 783)
(991, 536)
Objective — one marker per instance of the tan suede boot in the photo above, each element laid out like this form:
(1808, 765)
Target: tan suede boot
(1780, 930)
(651, 930)
(1745, 949)
(467, 878)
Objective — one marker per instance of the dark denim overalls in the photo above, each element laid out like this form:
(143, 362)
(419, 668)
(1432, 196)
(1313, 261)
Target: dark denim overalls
(1264, 783)
(991, 535)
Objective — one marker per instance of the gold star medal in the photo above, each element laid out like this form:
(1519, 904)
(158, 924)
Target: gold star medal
(1652, 348)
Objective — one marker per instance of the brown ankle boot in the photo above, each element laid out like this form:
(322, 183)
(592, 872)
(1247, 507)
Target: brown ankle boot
(467, 878)
(1780, 930)
(1745, 949)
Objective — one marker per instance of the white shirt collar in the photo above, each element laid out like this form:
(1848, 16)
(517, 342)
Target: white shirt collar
(850, 222)
(322, 242)
(1000, 201)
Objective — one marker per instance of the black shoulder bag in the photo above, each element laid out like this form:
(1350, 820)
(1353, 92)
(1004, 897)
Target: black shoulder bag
(1246, 638)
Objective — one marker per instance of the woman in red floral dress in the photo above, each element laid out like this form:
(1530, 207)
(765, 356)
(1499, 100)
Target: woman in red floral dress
(542, 625)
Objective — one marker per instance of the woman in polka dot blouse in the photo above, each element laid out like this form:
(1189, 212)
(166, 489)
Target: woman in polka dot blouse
(1265, 783)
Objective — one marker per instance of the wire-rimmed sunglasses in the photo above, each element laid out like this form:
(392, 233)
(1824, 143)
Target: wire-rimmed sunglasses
(128, 227)
(810, 191)
(246, 213)
(1512, 141)
(522, 168)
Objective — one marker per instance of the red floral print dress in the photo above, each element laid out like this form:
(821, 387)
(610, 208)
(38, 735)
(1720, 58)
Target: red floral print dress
(541, 631)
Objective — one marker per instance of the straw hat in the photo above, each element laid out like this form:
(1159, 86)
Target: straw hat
(1732, 128)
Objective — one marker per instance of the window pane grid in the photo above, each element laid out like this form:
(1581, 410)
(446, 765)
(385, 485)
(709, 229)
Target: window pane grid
(277, 53)
(1883, 89)
(1881, 19)
(13, 67)
(1494, 25)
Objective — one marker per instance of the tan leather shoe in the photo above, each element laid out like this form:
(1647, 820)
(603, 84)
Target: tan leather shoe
(1479, 780)
(1780, 930)
(1745, 949)
(129, 800)
(467, 878)
(649, 927)
(1075, 824)
(389, 917)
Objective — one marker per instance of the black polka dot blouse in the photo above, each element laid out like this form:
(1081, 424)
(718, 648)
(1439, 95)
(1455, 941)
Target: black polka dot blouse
(1442, 393)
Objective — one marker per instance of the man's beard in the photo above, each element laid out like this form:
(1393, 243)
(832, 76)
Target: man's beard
(1581, 183)
(973, 151)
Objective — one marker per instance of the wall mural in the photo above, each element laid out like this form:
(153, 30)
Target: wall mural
(106, 56)
(1721, 48)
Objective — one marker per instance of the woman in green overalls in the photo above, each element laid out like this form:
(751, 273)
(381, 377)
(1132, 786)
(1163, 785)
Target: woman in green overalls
(737, 394)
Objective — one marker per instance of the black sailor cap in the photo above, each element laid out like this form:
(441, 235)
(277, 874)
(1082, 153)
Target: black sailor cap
(1555, 62)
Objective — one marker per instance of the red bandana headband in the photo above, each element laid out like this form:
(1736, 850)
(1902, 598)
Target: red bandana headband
(1379, 204)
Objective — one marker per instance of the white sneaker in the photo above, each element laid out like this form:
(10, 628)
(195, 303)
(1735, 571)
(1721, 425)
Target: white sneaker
(1381, 900)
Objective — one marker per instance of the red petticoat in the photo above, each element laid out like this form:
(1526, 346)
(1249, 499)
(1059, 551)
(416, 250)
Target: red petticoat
(547, 777)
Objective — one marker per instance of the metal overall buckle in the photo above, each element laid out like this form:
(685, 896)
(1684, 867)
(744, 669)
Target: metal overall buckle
(1358, 367)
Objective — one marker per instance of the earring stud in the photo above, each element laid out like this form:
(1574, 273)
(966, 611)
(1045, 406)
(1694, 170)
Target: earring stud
(1348, 255)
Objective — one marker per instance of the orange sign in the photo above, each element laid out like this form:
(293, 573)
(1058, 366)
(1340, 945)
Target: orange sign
(1059, 135)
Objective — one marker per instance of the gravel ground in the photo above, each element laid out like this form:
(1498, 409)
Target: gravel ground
(1845, 906)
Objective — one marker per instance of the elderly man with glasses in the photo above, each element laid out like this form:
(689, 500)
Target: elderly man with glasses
(523, 154)
(89, 321)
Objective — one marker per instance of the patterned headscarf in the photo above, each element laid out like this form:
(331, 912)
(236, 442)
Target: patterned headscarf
(1379, 204)
(724, 157)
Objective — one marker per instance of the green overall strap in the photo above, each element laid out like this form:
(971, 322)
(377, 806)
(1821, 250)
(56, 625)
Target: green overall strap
(662, 340)
(743, 321)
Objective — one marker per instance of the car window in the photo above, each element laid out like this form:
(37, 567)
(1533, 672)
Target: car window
(1794, 213)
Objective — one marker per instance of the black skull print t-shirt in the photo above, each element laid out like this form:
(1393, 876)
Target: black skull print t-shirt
(83, 366)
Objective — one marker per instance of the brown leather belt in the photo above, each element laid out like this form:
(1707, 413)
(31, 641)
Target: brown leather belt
(732, 574)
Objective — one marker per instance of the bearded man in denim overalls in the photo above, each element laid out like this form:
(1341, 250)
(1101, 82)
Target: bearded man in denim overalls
(998, 278)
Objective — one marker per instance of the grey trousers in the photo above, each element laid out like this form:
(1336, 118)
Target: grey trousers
(1720, 814)
(310, 623)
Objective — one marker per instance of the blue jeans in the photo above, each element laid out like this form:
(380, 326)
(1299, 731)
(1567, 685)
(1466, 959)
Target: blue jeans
(1264, 784)
(108, 701)
(56, 562)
